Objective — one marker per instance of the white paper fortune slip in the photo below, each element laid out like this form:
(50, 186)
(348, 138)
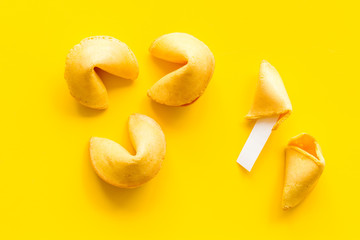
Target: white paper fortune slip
(256, 141)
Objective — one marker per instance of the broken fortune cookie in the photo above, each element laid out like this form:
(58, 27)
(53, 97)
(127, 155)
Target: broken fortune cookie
(271, 106)
(304, 165)
(271, 98)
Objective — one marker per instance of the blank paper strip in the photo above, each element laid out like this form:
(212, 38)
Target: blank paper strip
(256, 141)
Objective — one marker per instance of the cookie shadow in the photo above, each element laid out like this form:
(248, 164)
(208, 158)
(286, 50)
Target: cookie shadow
(86, 111)
(169, 114)
(120, 197)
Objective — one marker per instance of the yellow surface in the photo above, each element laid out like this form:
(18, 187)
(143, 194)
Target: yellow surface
(48, 188)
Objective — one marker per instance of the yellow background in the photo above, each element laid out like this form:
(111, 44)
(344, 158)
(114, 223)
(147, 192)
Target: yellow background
(48, 189)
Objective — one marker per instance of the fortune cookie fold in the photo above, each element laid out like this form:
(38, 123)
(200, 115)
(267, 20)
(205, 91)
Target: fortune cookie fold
(304, 165)
(271, 98)
(116, 166)
(105, 53)
(186, 84)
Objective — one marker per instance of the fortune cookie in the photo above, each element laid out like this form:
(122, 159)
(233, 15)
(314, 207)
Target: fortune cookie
(102, 52)
(116, 166)
(186, 84)
(271, 98)
(303, 166)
